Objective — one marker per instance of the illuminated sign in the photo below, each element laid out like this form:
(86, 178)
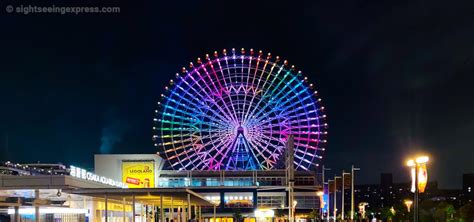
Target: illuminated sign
(138, 174)
(264, 213)
(86, 175)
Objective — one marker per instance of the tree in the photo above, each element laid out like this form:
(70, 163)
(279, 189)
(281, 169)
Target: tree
(313, 215)
(467, 212)
(427, 210)
(237, 215)
(450, 211)
(280, 213)
(402, 213)
(387, 213)
(443, 212)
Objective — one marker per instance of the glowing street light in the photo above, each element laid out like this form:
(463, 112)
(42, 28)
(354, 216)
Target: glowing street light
(419, 179)
(408, 203)
(294, 208)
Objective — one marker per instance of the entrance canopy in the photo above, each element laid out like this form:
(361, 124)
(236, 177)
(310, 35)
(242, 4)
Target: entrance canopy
(151, 196)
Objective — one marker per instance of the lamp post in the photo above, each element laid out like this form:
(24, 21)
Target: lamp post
(335, 197)
(329, 199)
(415, 167)
(353, 169)
(343, 189)
(324, 169)
(294, 209)
(408, 203)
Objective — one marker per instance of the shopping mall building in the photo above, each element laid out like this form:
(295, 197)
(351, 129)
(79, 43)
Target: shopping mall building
(125, 185)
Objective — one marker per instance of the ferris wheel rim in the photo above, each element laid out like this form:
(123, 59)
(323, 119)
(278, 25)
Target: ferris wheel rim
(222, 116)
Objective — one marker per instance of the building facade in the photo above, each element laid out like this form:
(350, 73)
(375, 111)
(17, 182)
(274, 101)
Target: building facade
(136, 188)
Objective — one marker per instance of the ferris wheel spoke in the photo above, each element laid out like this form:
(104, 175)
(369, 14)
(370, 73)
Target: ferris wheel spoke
(197, 95)
(267, 143)
(264, 95)
(243, 117)
(234, 113)
(217, 148)
(199, 113)
(188, 151)
(229, 113)
(246, 116)
(280, 106)
(289, 118)
(276, 97)
(230, 77)
(309, 147)
(267, 161)
(224, 90)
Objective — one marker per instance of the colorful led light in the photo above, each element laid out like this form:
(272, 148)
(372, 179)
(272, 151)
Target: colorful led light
(236, 112)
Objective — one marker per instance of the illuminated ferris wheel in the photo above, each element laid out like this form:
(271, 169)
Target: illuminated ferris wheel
(235, 111)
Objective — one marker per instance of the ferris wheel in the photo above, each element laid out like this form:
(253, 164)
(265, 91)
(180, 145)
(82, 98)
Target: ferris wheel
(235, 111)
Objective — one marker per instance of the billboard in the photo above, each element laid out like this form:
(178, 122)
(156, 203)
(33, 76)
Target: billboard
(138, 174)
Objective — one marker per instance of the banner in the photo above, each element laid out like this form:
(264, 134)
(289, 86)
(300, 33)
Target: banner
(138, 174)
(338, 183)
(331, 186)
(422, 178)
(347, 181)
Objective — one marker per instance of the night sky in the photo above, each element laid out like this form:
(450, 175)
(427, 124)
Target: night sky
(395, 76)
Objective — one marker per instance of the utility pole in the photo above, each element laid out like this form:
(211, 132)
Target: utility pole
(417, 193)
(353, 169)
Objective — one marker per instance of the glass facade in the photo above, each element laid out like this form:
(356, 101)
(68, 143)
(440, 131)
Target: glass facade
(271, 201)
(204, 182)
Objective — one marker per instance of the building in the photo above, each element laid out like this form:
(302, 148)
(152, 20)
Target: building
(387, 193)
(468, 186)
(249, 190)
(136, 184)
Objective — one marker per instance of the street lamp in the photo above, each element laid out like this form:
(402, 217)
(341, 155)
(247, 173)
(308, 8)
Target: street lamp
(408, 203)
(416, 164)
(294, 208)
(352, 190)
(335, 196)
(343, 193)
(324, 169)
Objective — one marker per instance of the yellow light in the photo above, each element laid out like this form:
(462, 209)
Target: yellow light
(410, 163)
(422, 159)
(264, 213)
(320, 193)
(408, 203)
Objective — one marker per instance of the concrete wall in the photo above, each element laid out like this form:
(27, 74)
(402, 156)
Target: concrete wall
(110, 165)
